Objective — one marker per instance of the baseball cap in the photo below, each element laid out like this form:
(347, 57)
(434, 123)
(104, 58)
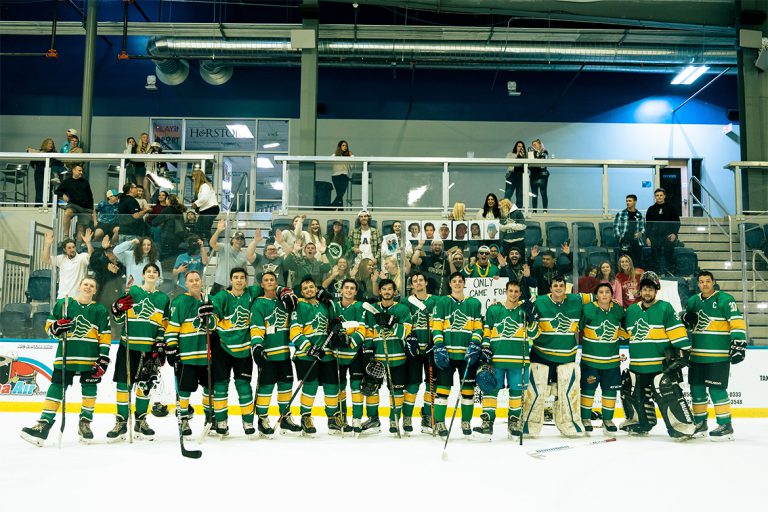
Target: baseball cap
(238, 234)
(483, 248)
(155, 145)
(111, 192)
(363, 213)
(71, 131)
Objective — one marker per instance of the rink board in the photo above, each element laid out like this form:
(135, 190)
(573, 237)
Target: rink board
(26, 367)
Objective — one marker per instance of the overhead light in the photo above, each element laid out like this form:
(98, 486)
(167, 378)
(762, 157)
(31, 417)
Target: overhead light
(271, 145)
(263, 162)
(277, 185)
(240, 131)
(689, 75)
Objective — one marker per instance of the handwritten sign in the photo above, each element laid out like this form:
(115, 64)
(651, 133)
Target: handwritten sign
(488, 290)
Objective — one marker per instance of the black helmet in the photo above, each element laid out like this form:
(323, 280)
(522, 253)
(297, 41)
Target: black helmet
(651, 279)
(159, 410)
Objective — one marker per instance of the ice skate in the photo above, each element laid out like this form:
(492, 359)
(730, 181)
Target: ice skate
(141, 429)
(357, 426)
(371, 426)
(609, 428)
(119, 432)
(307, 426)
(701, 429)
(249, 430)
(426, 424)
(186, 430)
(407, 425)
(442, 430)
(722, 433)
(222, 429)
(37, 434)
(485, 430)
(588, 425)
(288, 426)
(265, 430)
(336, 425)
(513, 428)
(466, 429)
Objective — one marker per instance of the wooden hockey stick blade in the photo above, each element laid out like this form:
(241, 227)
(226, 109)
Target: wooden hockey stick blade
(542, 453)
(417, 303)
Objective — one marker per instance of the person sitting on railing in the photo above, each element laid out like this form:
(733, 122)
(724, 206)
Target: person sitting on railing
(72, 132)
(73, 266)
(47, 146)
(194, 259)
(135, 254)
(270, 261)
(366, 240)
(662, 226)
(229, 256)
(74, 147)
(549, 267)
(539, 176)
(513, 181)
(131, 218)
(76, 191)
(304, 262)
(105, 219)
(490, 208)
(629, 229)
(341, 174)
(108, 272)
(205, 202)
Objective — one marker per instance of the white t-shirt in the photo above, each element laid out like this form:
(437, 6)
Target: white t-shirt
(365, 244)
(71, 272)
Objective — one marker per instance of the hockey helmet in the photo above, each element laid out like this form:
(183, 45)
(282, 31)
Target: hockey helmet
(651, 279)
(159, 410)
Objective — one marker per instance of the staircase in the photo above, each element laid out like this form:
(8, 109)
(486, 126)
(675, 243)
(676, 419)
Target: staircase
(711, 247)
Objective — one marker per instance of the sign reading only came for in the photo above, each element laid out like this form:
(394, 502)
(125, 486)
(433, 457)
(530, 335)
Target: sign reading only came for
(488, 290)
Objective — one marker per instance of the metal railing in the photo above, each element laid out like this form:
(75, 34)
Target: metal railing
(38, 244)
(447, 162)
(738, 168)
(755, 274)
(14, 269)
(694, 201)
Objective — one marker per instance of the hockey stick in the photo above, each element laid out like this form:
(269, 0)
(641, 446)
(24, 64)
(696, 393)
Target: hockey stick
(423, 308)
(542, 453)
(191, 454)
(522, 378)
(128, 382)
(63, 374)
(287, 411)
(369, 308)
(209, 386)
(455, 408)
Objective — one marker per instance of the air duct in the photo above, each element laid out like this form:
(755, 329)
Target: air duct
(215, 72)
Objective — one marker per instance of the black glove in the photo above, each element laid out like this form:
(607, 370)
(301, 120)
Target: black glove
(205, 310)
(385, 320)
(289, 299)
(59, 327)
(473, 353)
(338, 340)
(172, 354)
(486, 355)
(324, 296)
(738, 351)
(158, 349)
(531, 315)
(257, 352)
(122, 305)
(316, 352)
(98, 370)
(678, 363)
(689, 319)
(412, 345)
(367, 355)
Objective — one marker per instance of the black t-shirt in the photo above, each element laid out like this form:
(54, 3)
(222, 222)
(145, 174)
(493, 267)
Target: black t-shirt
(127, 206)
(436, 270)
(632, 222)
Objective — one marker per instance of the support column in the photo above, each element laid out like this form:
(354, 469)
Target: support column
(89, 70)
(308, 100)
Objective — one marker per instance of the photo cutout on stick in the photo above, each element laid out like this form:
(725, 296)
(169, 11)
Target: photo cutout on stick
(491, 230)
(444, 232)
(429, 230)
(475, 230)
(414, 230)
(460, 231)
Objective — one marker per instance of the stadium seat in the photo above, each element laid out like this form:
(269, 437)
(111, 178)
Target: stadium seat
(15, 319)
(557, 233)
(532, 233)
(386, 227)
(607, 236)
(39, 286)
(754, 235)
(285, 223)
(594, 256)
(686, 262)
(37, 329)
(585, 233)
(344, 226)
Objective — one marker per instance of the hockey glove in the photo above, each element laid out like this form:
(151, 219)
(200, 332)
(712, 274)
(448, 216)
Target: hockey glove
(441, 357)
(412, 345)
(738, 351)
(324, 296)
(689, 319)
(531, 315)
(487, 355)
(59, 327)
(678, 363)
(385, 320)
(122, 305)
(172, 354)
(158, 350)
(289, 299)
(316, 352)
(367, 355)
(473, 353)
(98, 370)
(257, 352)
(338, 340)
(205, 311)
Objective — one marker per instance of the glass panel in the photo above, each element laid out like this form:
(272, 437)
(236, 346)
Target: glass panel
(623, 181)
(219, 135)
(235, 186)
(168, 133)
(273, 136)
(402, 186)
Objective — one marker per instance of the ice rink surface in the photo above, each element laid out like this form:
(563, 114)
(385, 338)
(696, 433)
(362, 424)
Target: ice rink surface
(379, 472)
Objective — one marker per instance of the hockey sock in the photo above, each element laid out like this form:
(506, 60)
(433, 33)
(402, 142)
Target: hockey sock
(331, 398)
(343, 400)
(122, 400)
(515, 403)
(699, 401)
(142, 402)
(357, 399)
(372, 406)
(220, 390)
(490, 402)
(722, 404)
(609, 404)
(263, 397)
(409, 399)
(207, 405)
(308, 392)
(89, 402)
(467, 403)
(587, 399)
(52, 402)
(441, 403)
(284, 392)
(245, 397)
(396, 412)
(426, 407)
(184, 404)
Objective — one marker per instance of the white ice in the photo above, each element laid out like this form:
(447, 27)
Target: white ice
(378, 472)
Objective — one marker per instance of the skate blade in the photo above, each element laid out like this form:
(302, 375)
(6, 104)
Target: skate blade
(118, 439)
(33, 440)
(722, 439)
(83, 440)
(371, 431)
(609, 434)
(426, 430)
(477, 436)
(142, 437)
(407, 433)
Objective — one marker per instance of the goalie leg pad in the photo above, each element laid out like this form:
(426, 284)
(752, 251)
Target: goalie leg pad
(673, 406)
(535, 394)
(639, 411)
(567, 410)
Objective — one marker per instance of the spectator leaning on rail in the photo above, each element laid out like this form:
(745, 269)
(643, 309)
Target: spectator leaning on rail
(73, 267)
(131, 219)
(539, 175)
(106, 217)
(342, 173)
(514, 179)
(47, 146)
(205, 202)
(629, 229)
(76, 191)
(662, 226)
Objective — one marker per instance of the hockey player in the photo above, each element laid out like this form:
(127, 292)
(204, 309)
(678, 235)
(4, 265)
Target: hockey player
(143, 312)
(189, 325)
(419, 365)
(309, 330)
(386, 332)
(508, 328)
(658, 349)
(457, 331)
(85, 325)
(553, 361)
(230, 351)
(270, 349)
(349, 353)
(602, 325)
(717, 331)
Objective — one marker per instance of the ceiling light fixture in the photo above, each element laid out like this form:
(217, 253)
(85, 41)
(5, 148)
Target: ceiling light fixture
(689, 75)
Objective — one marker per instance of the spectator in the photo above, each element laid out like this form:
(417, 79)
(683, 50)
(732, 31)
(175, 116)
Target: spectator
(140, 198)
(539, 176)
(490, 208)
(193, 260)
(130, 166)
(76, 191)
(336, 242)
(341, 174)
(433, 265)
(47, 146)
(170, 222)
(136, 253)
(512, 226)
(628, 279)
(364, 273)
(589, 281)
(390, 269)
(74, 147)
(406, 248)
(229, 256)
(549, 268)
(154, 168)
(105, 220)
(190, 222)
(270, 261)
(481, 266)
(629, 229)
(131, 215)
(455, 258)
(366, 240)
(157, 208)
(336, 276)
(513, 181)
(606, 274)
(306, 264)
(429, 231)
(315, 235)
(663, 224)
(73, 266)
(205, 203)
(140, 168)
(288, 237)
(515, 268)
(459, 212)
(108, 272)
(67, 145)
(494, 257)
